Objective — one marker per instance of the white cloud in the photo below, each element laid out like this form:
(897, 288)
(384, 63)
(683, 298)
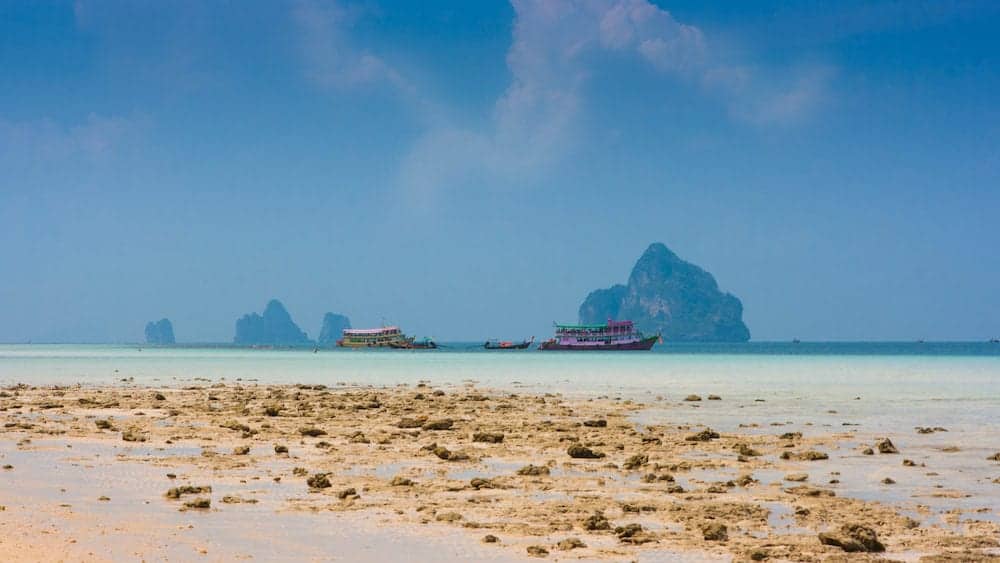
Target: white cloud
(554, 54)
(332, 61)
(534, 119)
(43, 143)
(663, 41)
(185, 46)
(551, 59)
(551, 56)
(805, 90)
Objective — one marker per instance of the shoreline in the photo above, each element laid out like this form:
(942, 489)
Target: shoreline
(450, 461)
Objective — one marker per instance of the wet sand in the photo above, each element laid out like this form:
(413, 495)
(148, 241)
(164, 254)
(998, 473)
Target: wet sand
(432, 473)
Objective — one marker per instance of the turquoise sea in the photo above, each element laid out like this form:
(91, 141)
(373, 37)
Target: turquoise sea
(891, 383)
(954, 371)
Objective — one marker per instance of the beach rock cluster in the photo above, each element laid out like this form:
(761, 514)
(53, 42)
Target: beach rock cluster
(582, 452)
(853, 538)
(580, 473)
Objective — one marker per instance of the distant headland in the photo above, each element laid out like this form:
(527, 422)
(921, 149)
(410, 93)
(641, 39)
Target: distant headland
(668, 295)
(275, 327)
(160, 332)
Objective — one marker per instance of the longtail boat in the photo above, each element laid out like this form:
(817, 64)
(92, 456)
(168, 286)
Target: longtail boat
(614, 335)
(508, 345)
(412, 343)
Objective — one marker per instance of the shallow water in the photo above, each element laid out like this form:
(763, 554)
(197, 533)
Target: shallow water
(865, 390)
(811, 387)
(743, 371)
(817, 388)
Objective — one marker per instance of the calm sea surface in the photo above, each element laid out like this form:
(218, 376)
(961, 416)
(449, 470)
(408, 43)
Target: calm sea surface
(948, 380)
(913, 371)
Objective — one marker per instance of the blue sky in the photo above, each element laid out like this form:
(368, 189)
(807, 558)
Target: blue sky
(474, 169)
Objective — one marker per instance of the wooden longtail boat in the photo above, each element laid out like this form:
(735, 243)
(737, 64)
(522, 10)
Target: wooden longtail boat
(508, 345)
(615, 335)
(413, 344)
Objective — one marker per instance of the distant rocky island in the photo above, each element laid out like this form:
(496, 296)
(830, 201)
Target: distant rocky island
(160, 332)
(333, 328)
(668, 295)
(273, 328)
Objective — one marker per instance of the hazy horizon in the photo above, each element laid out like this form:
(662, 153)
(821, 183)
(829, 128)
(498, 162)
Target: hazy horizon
(473, 171)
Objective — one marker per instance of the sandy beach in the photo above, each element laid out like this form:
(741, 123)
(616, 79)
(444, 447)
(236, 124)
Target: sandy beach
(234, 470)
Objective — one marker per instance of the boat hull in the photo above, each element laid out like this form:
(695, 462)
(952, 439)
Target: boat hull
(519, 346)
(644, 344)
(355, 344)
(410, 345)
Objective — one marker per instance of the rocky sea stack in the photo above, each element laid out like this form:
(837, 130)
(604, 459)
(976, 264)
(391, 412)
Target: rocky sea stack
(160, 332)
(333, 328)
(274, 328)
(678, 299)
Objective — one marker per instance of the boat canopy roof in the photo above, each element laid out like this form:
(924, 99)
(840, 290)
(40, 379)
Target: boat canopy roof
(362, 331)
(582, 327)
(608, 324)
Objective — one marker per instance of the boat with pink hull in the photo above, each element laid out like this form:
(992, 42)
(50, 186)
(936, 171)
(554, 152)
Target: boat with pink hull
(615, 335)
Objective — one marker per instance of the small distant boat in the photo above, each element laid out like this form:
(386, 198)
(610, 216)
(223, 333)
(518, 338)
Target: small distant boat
(995, 341)
(615, 335)
(508, 345)
(412, 343)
